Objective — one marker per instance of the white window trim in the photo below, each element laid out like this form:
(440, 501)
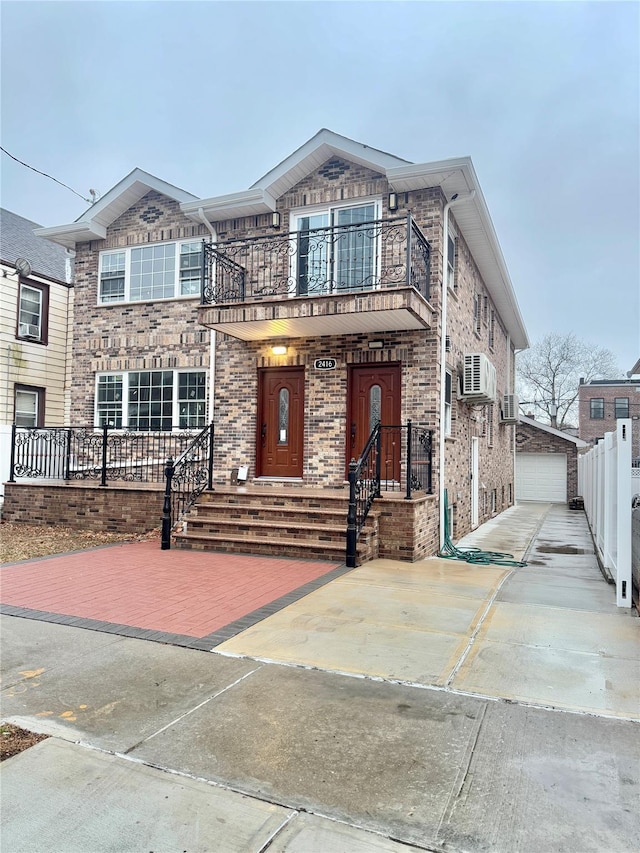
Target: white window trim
(175, 411)
(313, 210)
(27, 333)
(127, 250)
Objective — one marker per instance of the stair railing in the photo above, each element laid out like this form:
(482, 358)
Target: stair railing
(381, 462)
(185, 480)
(364, 488)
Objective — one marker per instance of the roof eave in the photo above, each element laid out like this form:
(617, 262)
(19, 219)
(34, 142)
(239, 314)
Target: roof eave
(218, 208)
(70, 235)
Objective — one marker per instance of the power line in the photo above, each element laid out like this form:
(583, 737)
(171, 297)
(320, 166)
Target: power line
(88, 200)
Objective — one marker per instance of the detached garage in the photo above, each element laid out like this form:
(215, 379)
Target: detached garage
(546, 462)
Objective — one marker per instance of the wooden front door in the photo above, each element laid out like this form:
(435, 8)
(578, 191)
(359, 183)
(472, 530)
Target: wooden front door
(280, 422)
(374, 396)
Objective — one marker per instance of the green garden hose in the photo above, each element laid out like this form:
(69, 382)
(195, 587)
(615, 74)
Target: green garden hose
(472, 555)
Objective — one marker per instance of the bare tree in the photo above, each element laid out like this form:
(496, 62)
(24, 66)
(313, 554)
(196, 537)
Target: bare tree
(548, 376)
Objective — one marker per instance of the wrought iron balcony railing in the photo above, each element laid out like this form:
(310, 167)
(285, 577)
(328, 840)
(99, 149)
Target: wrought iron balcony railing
(384, 253)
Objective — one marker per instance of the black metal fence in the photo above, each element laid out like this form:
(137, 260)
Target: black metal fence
(395, 458)
(185, 479)
(334, 259)
(101, 454)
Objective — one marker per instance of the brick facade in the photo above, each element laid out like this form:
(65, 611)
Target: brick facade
(166, 335)
(608, 391)
(162, 335)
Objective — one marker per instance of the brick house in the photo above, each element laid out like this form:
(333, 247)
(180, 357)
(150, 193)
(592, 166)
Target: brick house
(546, 462)
(298, 314)
(602, 401)
(36, 317)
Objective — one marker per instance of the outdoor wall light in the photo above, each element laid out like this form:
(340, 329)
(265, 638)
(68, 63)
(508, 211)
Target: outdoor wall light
(279, 350)
(275, 219)
(393, 201)
(376, 344)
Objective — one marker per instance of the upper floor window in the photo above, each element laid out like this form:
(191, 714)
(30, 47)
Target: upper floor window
(447, 402)
(596, 408)
(451, 261)
(151, 400)
(621, 406)
(33, 311)
(150, 272)
(492, 328)
(477, 312)
(336, 250)
(489, 416)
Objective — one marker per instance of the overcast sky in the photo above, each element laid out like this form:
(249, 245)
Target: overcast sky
(209, 96)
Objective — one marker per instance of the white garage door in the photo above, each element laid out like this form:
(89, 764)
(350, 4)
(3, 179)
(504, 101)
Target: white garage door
(541, 477)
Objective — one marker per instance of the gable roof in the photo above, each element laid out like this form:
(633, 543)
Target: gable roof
(17, 240)
(552, 431)
(452, 176)
(93, 223)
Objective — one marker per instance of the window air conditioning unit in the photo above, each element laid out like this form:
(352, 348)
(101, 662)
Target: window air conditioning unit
(509, 409)
(29, 330)
(478, 379)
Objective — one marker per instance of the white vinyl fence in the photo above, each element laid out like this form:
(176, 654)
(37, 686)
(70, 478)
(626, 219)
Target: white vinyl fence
(605, 477)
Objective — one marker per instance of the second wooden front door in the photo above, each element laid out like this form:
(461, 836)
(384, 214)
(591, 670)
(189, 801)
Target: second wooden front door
(374, 397)
(280, 437)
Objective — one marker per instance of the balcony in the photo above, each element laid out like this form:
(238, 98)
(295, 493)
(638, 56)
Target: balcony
(360, 278)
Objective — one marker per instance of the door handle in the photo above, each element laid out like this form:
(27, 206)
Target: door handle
(263, 434)
(353, 435)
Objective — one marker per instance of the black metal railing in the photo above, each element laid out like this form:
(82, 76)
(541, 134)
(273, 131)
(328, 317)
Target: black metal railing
(185, 480)
(101, 454)
(395, 458)
(336, 259)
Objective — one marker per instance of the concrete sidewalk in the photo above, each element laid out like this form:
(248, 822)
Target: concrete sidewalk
(401, 704)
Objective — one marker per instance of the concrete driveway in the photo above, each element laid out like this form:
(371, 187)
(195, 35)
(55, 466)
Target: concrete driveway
(438, 704)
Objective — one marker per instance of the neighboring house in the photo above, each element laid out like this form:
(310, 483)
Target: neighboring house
(546, 462)
(603, 401)
(322, 312)
(36, 314)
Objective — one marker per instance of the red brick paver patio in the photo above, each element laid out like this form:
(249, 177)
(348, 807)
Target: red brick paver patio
(190, 593)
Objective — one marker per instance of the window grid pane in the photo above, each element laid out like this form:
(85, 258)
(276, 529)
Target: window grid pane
(190, 268)
(191, 400)
(153, 272)
(622, 407)
(109, 403)
(26, 414)
(596, 408)
(31, 309)
(150, 404)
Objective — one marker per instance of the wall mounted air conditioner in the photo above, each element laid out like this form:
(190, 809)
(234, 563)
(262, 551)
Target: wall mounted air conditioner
(509, 413)
(29, 330)
(478, 379)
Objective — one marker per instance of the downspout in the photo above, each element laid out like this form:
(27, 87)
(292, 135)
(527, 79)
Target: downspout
(456, 199)
(212, 340)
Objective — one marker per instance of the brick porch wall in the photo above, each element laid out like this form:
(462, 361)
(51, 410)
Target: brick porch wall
(108, 510)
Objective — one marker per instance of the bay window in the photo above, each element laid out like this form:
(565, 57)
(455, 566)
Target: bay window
(150, 272)
(150, 400)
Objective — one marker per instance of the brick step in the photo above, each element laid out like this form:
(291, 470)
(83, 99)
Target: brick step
(265, 498)
(301, 515)
(304, 548)
(250, 526)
